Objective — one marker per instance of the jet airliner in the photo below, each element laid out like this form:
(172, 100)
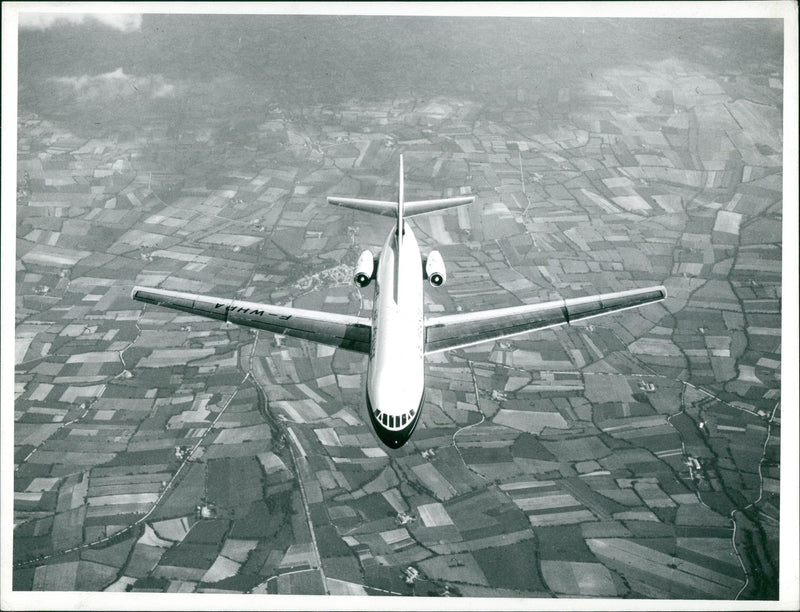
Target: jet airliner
(399, 334)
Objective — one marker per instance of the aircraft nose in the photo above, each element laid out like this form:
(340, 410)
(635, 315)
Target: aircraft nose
(392, 438)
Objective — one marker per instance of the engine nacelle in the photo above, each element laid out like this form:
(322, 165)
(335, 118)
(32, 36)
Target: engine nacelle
(435, 270)
(365, 269)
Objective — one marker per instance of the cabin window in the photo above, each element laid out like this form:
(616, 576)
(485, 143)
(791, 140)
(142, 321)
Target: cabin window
(404, 419)
(413, 411)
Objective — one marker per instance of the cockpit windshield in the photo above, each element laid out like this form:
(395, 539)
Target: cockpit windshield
(395, 421)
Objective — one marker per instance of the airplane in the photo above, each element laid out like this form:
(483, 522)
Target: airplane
(399, 334)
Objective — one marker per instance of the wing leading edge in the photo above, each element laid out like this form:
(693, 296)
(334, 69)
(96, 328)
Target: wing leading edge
(344, 331)
(465, 329)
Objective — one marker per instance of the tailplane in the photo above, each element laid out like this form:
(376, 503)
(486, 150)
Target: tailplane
(400, 209)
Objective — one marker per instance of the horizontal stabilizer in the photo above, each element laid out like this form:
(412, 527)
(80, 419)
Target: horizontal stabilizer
(389, 209)
(377, 207)
(420, 207)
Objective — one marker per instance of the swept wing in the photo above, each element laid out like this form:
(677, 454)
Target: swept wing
(465, 329)
(344, 331)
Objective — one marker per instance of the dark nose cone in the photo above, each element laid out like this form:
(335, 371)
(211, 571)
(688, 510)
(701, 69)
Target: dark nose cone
(392, 439)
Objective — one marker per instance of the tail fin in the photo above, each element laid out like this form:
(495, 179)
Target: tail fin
(400, 205)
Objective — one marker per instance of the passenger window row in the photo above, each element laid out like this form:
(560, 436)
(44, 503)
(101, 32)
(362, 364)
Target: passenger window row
(395, 421)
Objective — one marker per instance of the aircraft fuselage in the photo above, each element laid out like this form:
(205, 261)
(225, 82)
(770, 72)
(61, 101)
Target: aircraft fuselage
(396, 372)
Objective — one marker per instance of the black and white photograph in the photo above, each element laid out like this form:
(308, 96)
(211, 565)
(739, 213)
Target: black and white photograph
(312, 303)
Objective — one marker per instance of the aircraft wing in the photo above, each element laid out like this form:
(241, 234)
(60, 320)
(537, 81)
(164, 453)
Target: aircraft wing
(344, 331)
(465, 329)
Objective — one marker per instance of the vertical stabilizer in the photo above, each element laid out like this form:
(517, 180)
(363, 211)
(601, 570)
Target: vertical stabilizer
(400, 205)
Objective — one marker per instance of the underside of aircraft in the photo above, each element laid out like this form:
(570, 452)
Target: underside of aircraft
(399, 335)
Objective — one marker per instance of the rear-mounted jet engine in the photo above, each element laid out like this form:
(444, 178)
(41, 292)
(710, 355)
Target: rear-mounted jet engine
(435, 270)
(365, 269)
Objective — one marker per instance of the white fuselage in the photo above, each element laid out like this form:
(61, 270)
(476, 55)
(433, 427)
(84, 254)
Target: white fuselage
(396, 376)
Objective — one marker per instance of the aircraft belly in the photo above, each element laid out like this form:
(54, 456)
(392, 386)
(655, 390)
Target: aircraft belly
(396, 374)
